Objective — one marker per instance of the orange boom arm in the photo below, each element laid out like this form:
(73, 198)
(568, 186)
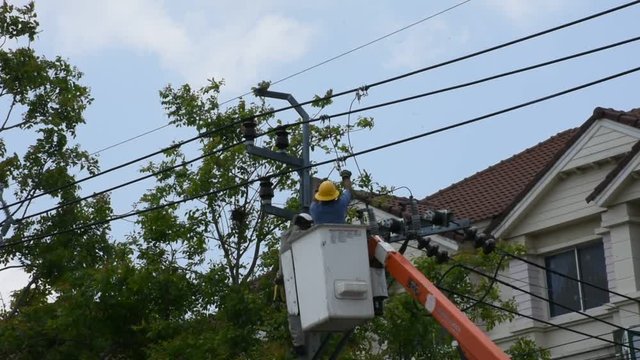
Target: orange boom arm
(475, 344)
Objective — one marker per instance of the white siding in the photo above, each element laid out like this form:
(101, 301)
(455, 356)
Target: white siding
(563, 202)
(630, 191)
(603, 144)
(609, 262)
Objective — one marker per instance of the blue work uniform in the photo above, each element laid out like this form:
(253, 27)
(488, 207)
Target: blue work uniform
(331, 212)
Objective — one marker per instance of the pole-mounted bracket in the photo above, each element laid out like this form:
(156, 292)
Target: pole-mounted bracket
(433, 230)
(275, 155)
(279, 212)
(283, 96)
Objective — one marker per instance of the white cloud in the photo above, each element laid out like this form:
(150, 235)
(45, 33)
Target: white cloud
(242, 56)
(524, 11)
(421, 46)
(234, 44)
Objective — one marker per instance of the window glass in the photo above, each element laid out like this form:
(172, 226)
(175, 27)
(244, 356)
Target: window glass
(593, 271)
(562, 290)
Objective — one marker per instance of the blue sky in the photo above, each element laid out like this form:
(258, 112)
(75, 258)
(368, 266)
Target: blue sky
(129, 49)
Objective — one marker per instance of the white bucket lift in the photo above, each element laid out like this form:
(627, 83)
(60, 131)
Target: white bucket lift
(327, 279)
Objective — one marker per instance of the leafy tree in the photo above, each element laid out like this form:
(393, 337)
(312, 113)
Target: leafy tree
(527, 349)
(225, 233)
(407, 331)
(194, 280)
(43, 100)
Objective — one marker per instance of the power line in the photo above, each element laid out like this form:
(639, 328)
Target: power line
(455, 60)
(130, 139)
(470, 298)
(547, 289)
(503, 45)
(505, 283)
(156, 173)
(575, 341)
(348, 113)
(117, 167)
(495, 279)
(355, 49)
(493, 77)
(493, 114)
(366, 151)
(567, 276)
(301, 71)
(388, 80)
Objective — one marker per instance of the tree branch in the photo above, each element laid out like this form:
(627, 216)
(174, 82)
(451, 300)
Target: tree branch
(221, 241)
(6, 119)
(13, 126)
(23, 294)
(8, 220)
(11, 267)
(256, 251)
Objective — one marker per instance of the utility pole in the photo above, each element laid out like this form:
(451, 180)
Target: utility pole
(302, 163)
(313, 343)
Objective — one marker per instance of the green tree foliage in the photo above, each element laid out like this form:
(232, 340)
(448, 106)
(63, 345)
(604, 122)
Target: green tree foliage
(193, 281)
(43, 101)
(223, 233)
(407, 331)
(527, 349)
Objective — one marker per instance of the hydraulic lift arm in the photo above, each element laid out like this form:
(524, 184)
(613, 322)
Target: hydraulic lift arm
(475, 344)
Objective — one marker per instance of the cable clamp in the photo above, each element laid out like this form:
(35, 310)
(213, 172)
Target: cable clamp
(324, 118)
(362, 92)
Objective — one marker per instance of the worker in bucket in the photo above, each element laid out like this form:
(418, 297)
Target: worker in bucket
(330, 207)
(300, 222)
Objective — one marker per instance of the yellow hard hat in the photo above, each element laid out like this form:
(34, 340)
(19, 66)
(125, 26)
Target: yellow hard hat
(327, 191)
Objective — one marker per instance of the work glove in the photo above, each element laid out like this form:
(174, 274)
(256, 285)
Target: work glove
(345, 174)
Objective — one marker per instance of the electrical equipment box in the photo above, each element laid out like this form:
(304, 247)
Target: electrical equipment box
(332, 280)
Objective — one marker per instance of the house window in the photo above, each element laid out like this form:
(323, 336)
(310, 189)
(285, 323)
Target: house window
(585, 263)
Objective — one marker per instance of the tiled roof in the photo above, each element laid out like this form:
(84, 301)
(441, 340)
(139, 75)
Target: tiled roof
(488, 193)
(631, 118)
(491, 193)
(614, 172)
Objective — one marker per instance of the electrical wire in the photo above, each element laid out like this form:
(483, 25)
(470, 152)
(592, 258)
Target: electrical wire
(574, 341)
(468, 56)
(291, 170)
(150, 175)
(348, 113)
(489, 78)
(493, 278)
(299, 72)
(567, 276)
(549, 323)
(547, 289)
(329, 117)
(128, 140)
(355, 49)
(120, 166)
(355, 159)
(271, 112)
(509, 43)
(506, 283)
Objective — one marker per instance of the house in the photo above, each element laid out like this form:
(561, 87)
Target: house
(574, 202)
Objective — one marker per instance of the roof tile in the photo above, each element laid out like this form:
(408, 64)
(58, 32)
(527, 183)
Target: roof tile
(488, 192)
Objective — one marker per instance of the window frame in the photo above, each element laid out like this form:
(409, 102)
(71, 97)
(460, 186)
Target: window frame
(578, 267)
